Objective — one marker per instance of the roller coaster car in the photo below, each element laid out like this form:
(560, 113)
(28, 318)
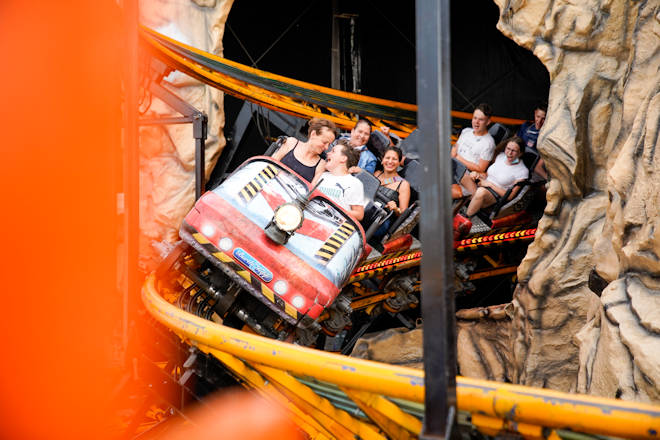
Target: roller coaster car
(266, 232)
(265, 251)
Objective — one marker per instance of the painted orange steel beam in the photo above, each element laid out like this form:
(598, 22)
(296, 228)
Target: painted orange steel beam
(492, 273)
(266, 98)
(493, 426)
(269, 75)
(534, 406)
(385, 413)
(278, 102)
(261, 385)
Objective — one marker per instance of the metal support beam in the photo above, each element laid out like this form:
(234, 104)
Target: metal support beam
(190, 114)
(200, 122)
(335, 60)
(433, 116)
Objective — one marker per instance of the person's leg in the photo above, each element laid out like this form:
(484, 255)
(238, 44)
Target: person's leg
(382, 230)
(468, 183)
(460, 175)
(480, 199)
(540, 169)
(457, 170)
(456, 191)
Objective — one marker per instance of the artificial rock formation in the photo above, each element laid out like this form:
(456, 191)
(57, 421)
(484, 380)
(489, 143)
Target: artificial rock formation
(586, 314)
(482, 338)
(167, 153)
(397, 346)
(601, 146)
(483, 334)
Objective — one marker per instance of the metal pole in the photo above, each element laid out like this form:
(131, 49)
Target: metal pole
(335, 62)
(433, 116)
(191, 114)
(199, 133)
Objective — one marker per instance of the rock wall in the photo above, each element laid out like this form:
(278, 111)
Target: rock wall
(483, 336)
(397, 346)
(586, 314)
(167, 153)
(601, 146)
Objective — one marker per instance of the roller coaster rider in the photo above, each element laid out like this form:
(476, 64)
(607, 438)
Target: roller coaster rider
(305, 158)
(474, 149)
(394, 191)
(347, 191)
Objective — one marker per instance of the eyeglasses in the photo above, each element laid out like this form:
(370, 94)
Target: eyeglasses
(513, 150)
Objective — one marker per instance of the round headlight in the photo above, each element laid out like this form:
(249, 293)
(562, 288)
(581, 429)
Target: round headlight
(288, 217)
(226, 244)
(298, 301)
(280, 287)
(208, 230)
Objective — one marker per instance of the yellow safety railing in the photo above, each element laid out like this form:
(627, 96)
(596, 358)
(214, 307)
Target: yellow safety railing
(495, 406)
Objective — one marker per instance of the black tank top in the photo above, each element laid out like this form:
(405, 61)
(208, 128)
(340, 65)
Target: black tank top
(385, 194)
(305, 172)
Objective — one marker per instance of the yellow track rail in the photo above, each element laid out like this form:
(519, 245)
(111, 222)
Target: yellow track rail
(496, 407)
(299, 107)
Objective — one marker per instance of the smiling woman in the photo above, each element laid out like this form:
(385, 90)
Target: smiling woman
(394, 191)
(305, 157)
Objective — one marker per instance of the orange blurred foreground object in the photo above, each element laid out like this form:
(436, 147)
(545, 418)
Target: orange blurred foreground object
(60, 113)
(236, 415)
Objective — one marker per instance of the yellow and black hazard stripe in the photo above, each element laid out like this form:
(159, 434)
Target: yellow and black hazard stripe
(335, 242)
(387, 263)
(493, 239)
(375, 261)
(254, 281)
(253, 187)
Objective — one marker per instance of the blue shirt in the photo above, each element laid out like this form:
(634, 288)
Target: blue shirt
(529, 133)
(367, 161)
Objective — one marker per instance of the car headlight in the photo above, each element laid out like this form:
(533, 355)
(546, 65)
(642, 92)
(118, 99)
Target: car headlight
(226, 244)
(207, 230)
(280, 287)
(288, 217)
(298, 301)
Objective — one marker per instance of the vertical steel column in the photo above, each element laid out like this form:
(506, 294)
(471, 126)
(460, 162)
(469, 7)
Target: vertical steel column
(433, 119)
(335, 61)
(199, 133)
(131, 168)
(190, 114)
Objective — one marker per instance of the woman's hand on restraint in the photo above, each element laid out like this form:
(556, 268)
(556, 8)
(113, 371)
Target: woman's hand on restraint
(393, 206)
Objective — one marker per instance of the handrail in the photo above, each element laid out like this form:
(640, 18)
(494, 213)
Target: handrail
(552, 409)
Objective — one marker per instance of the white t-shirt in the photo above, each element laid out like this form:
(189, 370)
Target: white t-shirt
(474, 148)
(344, 190)
(504, 175)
